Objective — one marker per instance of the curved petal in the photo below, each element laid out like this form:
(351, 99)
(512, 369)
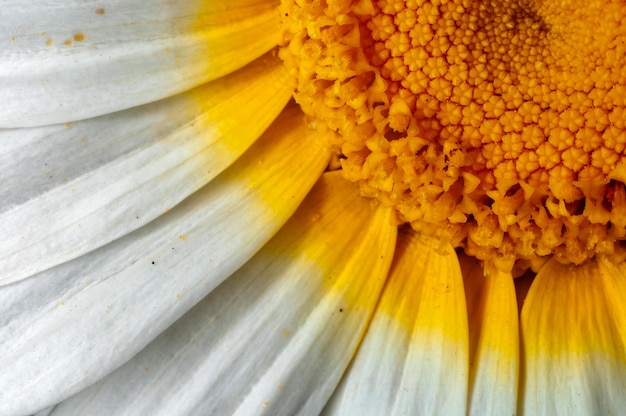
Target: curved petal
(574, 340)
(69, 190)
(276, 336)
(414, 358)
(66, 328)
(71, 60)
(494, 339)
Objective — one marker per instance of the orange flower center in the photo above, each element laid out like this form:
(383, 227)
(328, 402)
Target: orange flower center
(497, 125)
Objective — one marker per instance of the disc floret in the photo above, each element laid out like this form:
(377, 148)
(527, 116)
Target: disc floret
(496, 125)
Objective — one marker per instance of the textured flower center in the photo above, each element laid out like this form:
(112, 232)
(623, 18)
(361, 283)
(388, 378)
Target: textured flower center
(498, 125)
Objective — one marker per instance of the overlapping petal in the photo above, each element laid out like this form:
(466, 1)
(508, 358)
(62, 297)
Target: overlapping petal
(67, 327)
(277, 335)
(71, 60)
(71, 189)
(494, 339)
(110, 235)
(574, 340)
(414, 358)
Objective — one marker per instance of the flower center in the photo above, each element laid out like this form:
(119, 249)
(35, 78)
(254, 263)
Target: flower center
(498, 125)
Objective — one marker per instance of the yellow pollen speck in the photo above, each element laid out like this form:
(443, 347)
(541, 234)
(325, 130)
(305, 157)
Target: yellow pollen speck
(100, 11)
(79, 37)
(182, 237)
(68, 42)
(497, 125)
(49, 42)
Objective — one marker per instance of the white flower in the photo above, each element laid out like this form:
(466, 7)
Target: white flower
(153, 258)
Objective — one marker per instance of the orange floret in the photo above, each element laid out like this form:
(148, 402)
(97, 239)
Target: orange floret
(498, 125)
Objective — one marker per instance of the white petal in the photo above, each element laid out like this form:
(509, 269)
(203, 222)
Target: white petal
(45, 412)
(414, 358)
(69, 190)
(276, 336)
(70, 60)
(66, 328)
(574, 337)
(494, 339)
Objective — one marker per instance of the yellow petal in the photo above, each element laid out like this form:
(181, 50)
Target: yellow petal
(414, 358)
(574, 337)
(236, 32)
(494, 339)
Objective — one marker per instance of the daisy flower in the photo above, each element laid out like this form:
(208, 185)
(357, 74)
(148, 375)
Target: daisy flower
(302, 207)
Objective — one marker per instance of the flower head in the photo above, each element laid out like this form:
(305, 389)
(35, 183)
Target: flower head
(177, 237)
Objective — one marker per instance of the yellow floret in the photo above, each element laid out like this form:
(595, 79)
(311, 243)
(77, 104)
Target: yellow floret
(499, 125)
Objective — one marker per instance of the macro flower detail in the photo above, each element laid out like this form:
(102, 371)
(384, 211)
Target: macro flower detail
(312, 207)
(496, 125)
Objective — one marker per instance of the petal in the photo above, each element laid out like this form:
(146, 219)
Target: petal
(71, 60)
(574, 338)
(70, 190)
(276, 336)
(494, 339)
(67, 327)
(414, 358)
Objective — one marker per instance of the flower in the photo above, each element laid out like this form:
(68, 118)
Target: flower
(169, 243)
